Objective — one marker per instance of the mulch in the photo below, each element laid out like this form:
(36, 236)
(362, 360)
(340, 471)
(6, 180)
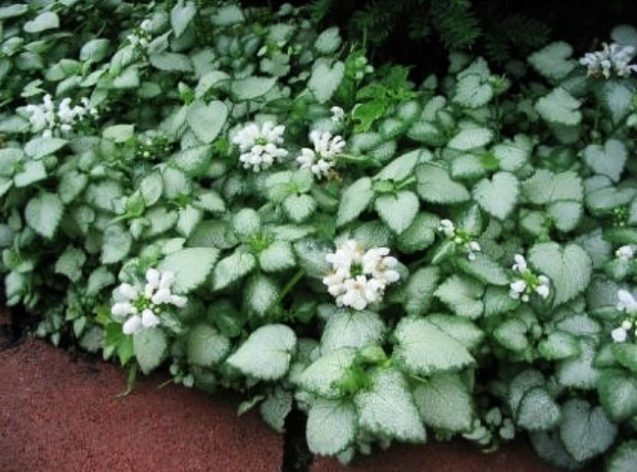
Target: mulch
(62, 413)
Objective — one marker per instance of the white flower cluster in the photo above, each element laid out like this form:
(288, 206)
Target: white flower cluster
(141, 308)
(471, 247)
(625, 253)
(628, 305)
(49, 120)
(358, 277)
(521, 288)
(337, 114)
(613, 59)
(321, 159)
(142, 36)
(259, 145)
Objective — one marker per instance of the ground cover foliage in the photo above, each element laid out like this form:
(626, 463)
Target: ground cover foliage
(241, 197)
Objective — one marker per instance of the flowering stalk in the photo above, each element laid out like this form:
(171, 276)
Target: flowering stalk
(528, 282)
(259, 145)
(52, 120)
(460, 238)
(140, 308)
(628, 305)
(613, 59)
(358, 277)
(321, 159)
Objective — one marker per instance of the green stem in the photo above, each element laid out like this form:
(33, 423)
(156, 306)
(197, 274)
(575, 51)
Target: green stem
(290, 285)
(130, 381)
(406, 183)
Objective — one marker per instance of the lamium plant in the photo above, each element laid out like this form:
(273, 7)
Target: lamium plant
(231, 193)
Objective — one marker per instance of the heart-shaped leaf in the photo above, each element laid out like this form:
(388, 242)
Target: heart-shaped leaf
(608, 160)
(325, 79)
(331, 426)
(206, 121)
(560, 107)
(585, 431)
(499, 195)
(44, 21)
(397, 211)
(181, 15)
(569, 268)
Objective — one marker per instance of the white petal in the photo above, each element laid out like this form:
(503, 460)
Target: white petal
(128, 291)
(167, 279)
(122, 309)
(152, 277)
(619, 335)
(149, 319)
(132, 325)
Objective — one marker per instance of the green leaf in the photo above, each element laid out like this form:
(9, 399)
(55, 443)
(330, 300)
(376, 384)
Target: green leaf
(275, 408)
(70, 263)
(210, 201)
(463, 295)
(176, 183)
(33, 171)
(553, 61)
(206, 121)
(170, 61)
(559, 107)
(189, 218)
(499, 195)
(538, 411)
(191, 267)
(353, 329)
(299, 207)
(150, 346)
(420, 234)
(246, 223)
(585, 431)
(579, 372)
(550, 448)
(181, 15)
(267, 352)
(419, 290)
(484, 268)
(252, 87)
(512, 334)
(71, 185)
(401, 167)
(616, 98)
(119, 133)
(322, 376)
(626, 355)
(260, 294)
(232, 268)
(471, 138)
(467, 166)
(227, 15)
(44, 21)
(617, 391)
(445, 403)
(559, 345)
(354, 200)
(195, 160)
(95, 50)
(42, 146)
(608, 160)
(331, 426)
(205, 346)
(99, 279)
(325, 79)
(545, 187)
(624, 458)
(436, 186)
(277, 256)
(43, 213)
(14, 10)
(462, 330)
(328, 41)
(151, 186)
(565, 214)
(424, 349)
(128, 79)
(397, 211)
(472, 91)
(569, 268)
(388, 408)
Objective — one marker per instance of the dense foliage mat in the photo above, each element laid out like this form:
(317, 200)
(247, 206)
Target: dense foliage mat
(232, 193)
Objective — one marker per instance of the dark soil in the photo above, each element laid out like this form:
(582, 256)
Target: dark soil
(61, 413)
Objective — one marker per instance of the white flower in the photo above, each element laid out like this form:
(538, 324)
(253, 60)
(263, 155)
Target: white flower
(543, 289)
(612, 59)
(625, 252)
(472, 248)
(45, 119)
(154, 297)
(321, 159)
(619, 335)
(259, 145)
(626, 302)
(447, 228)
(520, 263)
(359, 278)
(517, 288)
(337, 114)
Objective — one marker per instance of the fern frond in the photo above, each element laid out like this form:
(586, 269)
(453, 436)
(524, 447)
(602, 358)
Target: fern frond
(320, 9)
(455, 22)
